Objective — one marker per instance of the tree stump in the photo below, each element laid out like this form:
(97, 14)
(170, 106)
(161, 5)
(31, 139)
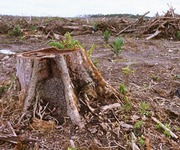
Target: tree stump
(61, 81)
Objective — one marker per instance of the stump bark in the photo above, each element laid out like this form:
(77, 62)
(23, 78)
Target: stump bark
(59, 82)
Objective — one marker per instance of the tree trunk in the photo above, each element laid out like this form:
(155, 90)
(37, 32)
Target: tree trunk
(60, 82)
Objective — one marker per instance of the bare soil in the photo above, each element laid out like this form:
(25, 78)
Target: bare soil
(154, 80)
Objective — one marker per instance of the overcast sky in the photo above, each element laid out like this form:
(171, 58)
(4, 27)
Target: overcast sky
(72, 8)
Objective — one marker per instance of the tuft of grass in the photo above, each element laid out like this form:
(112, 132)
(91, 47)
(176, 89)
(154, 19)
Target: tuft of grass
(116, 46)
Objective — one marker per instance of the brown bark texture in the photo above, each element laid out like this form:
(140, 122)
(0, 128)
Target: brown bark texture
(61, 82)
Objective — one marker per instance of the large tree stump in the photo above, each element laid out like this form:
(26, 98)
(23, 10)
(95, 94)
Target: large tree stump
(60, 80)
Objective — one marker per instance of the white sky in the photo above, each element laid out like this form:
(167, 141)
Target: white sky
(72, 8)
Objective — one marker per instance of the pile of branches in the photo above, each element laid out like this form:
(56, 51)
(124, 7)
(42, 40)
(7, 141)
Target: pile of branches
(167, 26)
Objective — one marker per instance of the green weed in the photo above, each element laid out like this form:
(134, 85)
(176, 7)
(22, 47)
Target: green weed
(127, 71)
(154, 77)
(116, 46)
(106, 35)
(68, 43)
(96, 62)
(141, 140)
(122, 89)
(143, 107)
(90, 51)
(138, 125)
(16, 31)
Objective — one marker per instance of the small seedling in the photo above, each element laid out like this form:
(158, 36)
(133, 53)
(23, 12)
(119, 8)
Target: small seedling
(127, 71)
(141, 139)
(144, 85)
(127, 107)
(89, 52)
(155, 78)
(177, 76)
(5, 40)
(167, 132)
(138, 125)
(106, 35)
(96, 62)
(122, 89)
(143, 108)
(72, 148)
(116, 46)
(16, 31)
(68, 43)
(158, 126)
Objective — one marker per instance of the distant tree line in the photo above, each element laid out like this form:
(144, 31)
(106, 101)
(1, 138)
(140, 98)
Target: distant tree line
(115, 15)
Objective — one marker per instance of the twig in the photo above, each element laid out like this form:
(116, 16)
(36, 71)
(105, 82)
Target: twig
(165, 128)
(10, 126)
(134, 140)
(14, 139)
(119, 145)
(111, 106)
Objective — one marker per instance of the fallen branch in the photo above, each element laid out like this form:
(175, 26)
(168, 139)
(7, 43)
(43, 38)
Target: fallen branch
(153, 35)
(165, 128)
(134, 140)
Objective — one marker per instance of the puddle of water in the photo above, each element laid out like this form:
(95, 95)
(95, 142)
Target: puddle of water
(7, 51)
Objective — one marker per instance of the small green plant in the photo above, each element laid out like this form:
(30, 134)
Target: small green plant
(68, 43)
(122, 89)
(5, 40)
(127, 107)
(90, 51)
(177, 76)
(138, 125)
(116, 46)
(94, 23)
(96, 62)
(144, 85)
(154, 77)
(158, 126)
(178, 35)
(16, 31)
(106, 35)
(72, 148)
(141, 140)
(143, 107)
(167, 132)
(127, 71)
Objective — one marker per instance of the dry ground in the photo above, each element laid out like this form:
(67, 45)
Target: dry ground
(154, 80)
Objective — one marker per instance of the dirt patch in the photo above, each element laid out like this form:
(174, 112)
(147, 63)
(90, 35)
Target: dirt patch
(154, 80)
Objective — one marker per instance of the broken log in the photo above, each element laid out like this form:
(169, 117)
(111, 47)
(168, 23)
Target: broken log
(57, 81)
